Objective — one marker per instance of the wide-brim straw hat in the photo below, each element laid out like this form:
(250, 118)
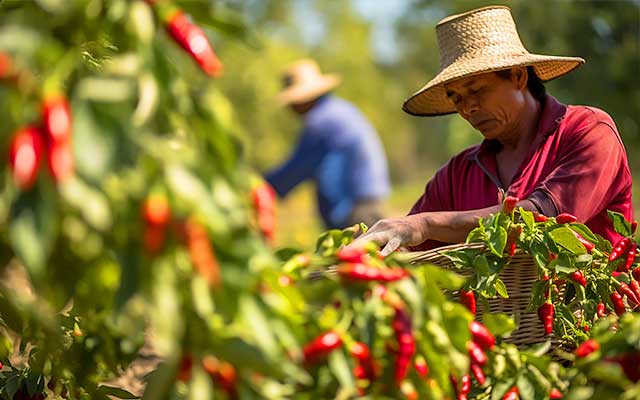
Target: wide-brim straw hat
(476, 42)
(303, 82)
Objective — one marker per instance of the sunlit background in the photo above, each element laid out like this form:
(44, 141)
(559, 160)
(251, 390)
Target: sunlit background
(386, 50)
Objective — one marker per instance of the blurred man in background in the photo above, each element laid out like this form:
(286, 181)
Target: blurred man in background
(337, 148)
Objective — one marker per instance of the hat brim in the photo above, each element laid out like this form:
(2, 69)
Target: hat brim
(303, 93)
(432, 99)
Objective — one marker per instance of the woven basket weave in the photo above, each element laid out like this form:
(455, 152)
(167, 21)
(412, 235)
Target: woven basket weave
(518, 275)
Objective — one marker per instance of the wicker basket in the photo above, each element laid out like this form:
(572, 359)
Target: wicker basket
(518, 275)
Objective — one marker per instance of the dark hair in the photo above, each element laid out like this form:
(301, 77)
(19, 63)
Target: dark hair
(534, 83)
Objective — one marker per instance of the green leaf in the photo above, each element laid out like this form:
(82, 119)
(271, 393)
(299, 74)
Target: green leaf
(527, 218)
(456, 319)
(497, 241)
(620, 224)
(460, 258)
(499, 324)
(585, 232)
(501, 288)
(160, 382)
(477, 235)
(564, 237)
(540, 254)
(481, 265)
(200, 385)
(501, 387)
(33, 229)
(258, 325)
(340, 368)
(525, 387)
(34, 383)
(11, 385)
(444, 279)
(117, 392)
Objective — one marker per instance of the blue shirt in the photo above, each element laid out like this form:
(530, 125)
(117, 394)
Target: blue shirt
(340, 150)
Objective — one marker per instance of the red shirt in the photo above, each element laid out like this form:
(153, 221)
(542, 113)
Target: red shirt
(576, 164)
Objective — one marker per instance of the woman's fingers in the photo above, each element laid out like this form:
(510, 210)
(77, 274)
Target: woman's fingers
(391, 246)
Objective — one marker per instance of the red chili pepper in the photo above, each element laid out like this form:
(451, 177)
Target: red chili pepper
(192, 38)
(566, 218)
(602, 311)
(545, 313)
(222, 373)
(406, 344)
(60, 161)
(512, 394)
(153, 240)
(184, 370)
(56, 118)
(6, 65)
(587, 244)
(25, 155)
(362, 272)
(587, 348)
(264, 203)
(619, 249)
(321, 346)
(476, 353)
(634, 226)
(512, 249)
(509, 204)
(481, 335)
(156, 211)
(202, 254)
(555, 394)
(539, 217)
(465, 384)
(468, 299)
(636, 273)
(421, 366)
(351, 254)
(635, 288)
(631, 256)
(625, 290)
(579, 278)
(360, 351)
(618, 304)
(630, 363)
(477, 372)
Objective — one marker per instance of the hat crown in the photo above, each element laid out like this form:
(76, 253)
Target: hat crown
(302, 72)
(485, 32)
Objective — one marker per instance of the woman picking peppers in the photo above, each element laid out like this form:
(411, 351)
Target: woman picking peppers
(556, 158)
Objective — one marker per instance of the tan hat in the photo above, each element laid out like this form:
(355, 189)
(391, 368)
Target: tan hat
(476, 42)
(303, 81)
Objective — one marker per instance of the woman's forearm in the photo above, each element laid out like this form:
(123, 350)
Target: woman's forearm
(454, 226)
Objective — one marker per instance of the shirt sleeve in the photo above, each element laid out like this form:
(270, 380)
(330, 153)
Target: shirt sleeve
(588, 172)
(301, 165)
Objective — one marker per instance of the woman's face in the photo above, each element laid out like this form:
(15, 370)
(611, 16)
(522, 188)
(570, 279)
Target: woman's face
(491, 103)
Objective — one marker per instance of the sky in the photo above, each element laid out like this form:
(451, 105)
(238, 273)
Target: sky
(381, 13)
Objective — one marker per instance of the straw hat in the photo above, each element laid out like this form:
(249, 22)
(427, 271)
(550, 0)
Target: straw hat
(476, 42)
(303, 81)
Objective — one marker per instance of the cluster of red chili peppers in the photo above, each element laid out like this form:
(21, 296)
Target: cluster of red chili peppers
(481, 340)
(624, 253)
(356, 268)
(189, 36)
(31, 144)
(263, 198)
(156, 214)
(221, 373)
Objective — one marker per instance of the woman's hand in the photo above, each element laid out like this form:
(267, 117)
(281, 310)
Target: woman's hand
(395, 232)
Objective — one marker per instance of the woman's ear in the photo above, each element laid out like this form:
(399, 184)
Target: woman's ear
(520, 77)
